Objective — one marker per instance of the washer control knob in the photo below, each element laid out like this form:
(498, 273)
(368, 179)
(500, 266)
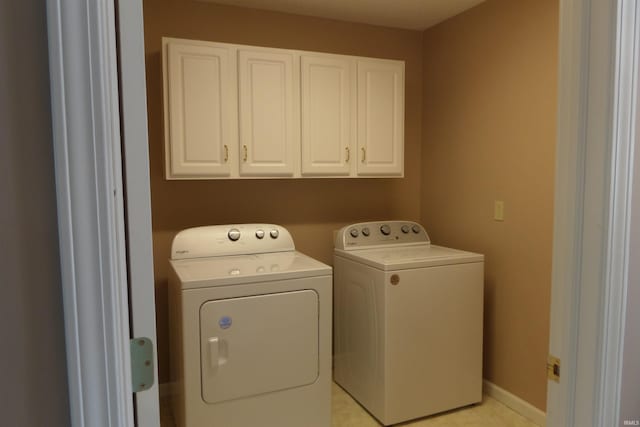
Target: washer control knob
(385, 229)
(405, 229)
(415, 229)
(274, 233)
(234, 234)
(260, 234)
(353, 232)
(366, 232)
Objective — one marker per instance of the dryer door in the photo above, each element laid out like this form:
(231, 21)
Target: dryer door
(258, 344)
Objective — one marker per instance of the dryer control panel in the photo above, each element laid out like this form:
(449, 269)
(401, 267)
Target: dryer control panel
(233, 239)
(373, 234)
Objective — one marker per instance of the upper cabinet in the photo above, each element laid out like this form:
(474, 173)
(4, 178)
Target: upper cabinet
(234, 111)
(328, 114)
(380, 117)
(269, 131)
(200, 110)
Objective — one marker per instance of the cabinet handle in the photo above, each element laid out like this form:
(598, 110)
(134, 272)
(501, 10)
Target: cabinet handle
(246, 153)
(348, 154)
(364, 154)
(226, 153)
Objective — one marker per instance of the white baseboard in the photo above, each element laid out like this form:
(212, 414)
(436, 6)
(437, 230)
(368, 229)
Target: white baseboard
(525, 409)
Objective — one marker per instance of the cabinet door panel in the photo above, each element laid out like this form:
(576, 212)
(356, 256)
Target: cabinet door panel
(380, 117)
(326, 114)
(200, 120)
(267, 128)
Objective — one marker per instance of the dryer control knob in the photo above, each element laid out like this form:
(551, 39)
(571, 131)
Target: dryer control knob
(415, 229)
(385, 229)
(405, 229)
(234, 234)
(274, 233)
(365, 232)
(353, 232)
(260, 234)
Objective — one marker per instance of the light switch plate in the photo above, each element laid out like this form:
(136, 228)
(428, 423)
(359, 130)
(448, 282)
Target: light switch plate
(498, 210)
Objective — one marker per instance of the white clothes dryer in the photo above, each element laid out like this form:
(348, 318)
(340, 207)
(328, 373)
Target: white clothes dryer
(407, 321)
(250, 329)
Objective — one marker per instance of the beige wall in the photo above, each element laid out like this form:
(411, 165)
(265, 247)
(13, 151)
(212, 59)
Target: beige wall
(489, 134)
(310, 209)
(33, 367)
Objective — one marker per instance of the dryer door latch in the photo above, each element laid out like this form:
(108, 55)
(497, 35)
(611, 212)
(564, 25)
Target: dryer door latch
(142, 369)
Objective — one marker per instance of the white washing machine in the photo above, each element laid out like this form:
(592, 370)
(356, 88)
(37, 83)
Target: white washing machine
(250, 329)
(407, 321)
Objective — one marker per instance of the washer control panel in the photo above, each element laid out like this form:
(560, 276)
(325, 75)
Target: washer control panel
(235, 239)
(371, 234)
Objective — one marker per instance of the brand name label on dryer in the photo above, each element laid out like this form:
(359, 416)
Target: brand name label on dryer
(225, 322)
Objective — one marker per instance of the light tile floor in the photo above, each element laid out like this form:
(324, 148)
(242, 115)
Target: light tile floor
(490, 413)
(347, 413)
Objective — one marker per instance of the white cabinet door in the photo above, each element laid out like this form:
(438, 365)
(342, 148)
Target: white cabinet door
(234, 111)
(200, 119)
(269, 127)
(380, 117)
(328, 116)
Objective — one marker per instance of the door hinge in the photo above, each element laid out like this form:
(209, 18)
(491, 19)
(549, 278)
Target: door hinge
(553, 368)
(142, 370)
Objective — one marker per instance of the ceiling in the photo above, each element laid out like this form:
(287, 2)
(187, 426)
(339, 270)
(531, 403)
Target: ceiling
(408, 14)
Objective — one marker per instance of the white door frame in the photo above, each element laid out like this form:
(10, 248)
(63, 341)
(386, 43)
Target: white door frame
(596, 130)
(91, 225)
(100, 278)
(596, 133)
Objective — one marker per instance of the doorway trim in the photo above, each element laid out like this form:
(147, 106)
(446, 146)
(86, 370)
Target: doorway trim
(90, 207)
(596, 133)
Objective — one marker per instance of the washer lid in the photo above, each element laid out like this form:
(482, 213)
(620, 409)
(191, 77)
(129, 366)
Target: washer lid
(238, 269)
(406, 257)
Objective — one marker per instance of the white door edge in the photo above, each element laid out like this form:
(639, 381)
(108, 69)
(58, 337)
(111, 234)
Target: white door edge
(596, 116)
(616, 280)
(133, 101)
(91, 225)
